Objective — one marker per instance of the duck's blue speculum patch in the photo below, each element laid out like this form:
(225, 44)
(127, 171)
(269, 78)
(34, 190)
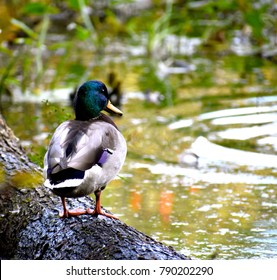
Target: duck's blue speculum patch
(104, 156)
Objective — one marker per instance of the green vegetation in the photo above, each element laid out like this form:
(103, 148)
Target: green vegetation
(38, 37)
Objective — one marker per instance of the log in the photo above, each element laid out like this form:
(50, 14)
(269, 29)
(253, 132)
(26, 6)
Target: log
(30, 227)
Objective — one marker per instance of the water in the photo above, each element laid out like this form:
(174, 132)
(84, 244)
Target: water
(187, 189)
(220, 204)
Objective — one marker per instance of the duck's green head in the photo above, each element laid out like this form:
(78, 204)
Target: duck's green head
(91, 98)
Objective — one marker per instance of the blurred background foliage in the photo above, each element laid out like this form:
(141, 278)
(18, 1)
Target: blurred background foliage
(38, 37)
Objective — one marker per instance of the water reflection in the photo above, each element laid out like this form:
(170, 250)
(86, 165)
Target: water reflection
(211, 209)
(223, 205)
(248, 132)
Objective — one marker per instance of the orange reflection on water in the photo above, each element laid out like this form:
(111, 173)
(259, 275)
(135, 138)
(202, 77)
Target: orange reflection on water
(135, 201)
(166, 205)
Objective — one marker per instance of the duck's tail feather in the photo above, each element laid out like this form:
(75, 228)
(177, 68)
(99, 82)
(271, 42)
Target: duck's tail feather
(69, 177)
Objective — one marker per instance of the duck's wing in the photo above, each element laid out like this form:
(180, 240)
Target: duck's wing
(78, 145)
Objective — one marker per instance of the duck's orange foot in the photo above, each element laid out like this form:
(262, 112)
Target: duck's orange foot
(96, 213)
(73, 213)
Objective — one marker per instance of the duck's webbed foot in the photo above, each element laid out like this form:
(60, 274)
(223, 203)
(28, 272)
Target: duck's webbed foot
(97, 212)
(72, 213)
(77, 212)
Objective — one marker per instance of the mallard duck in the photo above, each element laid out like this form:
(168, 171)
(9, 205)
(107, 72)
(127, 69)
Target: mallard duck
(86, 153)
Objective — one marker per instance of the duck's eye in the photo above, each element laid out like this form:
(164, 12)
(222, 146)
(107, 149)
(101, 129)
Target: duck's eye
(104, 92)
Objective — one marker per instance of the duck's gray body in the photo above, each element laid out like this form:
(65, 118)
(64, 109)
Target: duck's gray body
(84, 156)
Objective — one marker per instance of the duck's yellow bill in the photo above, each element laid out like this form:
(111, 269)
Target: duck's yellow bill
(110, 107)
